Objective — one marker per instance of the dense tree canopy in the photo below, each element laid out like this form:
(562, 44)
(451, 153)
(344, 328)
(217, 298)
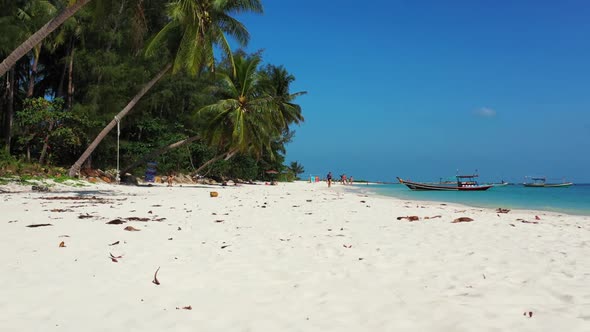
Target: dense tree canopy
(60, 94)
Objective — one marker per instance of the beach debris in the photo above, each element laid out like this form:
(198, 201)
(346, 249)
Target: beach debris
(61, 210)
(347, 245)
(62, 244)
(159, 219)
(137, 219)
(64, 235)
(114, 243)
(169, 239)
(116, 222)
(433, 217)
(513, 225)
(11, 221)
(156, 205)
(114, 258)
(38, 225)
(156, 281)
(179, 228)
(527, 222)
(85, 216)
(462, 219)
(40, 188)
(213, 194)
(225, 246)
(150, 212)
(308, 200)
(219, 220)
(537, 218)
(409, 218)
(75, 198)
(501, 210)
(188, 307)
(363, 201)
(131, 229)
(530, 314)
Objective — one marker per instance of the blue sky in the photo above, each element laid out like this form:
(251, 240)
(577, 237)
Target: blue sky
(419, 89)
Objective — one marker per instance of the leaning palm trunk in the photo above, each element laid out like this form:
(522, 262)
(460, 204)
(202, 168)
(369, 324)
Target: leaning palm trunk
(160, 151)
(76, 167)
(38, 36)
(225, 156)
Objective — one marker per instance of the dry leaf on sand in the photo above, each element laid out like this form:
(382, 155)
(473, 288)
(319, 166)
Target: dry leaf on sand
(462, 219)
(39, 225)
(410, 218)
(131, 229)
(156, 281)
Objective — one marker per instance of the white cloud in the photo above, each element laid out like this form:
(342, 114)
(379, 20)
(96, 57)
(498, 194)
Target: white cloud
(485, 112)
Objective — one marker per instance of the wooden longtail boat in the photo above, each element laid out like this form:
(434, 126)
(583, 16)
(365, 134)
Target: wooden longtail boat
(541, 182)
(464, 183)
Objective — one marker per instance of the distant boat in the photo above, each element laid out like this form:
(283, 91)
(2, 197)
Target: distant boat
(541, 182)
(463, 183)
(501, 184)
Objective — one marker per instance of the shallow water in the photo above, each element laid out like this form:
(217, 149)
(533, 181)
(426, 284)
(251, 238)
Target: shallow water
(572, 200)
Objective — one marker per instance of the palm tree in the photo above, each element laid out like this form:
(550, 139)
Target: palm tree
(276, 82)
(249, 117)
(242, 120)
(261, 92)
(195, 28)
(296, 168)
(43, 32)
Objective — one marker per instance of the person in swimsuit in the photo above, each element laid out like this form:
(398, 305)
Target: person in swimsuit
(329, 178)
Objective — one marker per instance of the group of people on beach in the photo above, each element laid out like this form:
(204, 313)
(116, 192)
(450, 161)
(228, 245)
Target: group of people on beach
(343, 179)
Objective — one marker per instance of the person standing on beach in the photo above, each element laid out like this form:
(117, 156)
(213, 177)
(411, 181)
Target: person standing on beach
(329, 177)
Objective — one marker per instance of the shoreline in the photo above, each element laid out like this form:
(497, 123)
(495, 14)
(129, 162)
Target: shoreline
(290, 257)
(582, 213)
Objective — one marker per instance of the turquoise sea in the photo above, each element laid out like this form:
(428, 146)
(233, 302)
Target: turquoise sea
(571, 200)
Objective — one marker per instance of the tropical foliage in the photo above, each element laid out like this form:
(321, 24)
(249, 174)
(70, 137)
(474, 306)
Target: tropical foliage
(233, 116)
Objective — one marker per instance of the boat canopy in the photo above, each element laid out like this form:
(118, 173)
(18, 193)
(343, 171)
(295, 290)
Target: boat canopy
(539, 179)
(467, 176)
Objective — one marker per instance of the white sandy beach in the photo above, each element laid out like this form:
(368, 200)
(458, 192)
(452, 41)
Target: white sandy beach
(291, 257)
